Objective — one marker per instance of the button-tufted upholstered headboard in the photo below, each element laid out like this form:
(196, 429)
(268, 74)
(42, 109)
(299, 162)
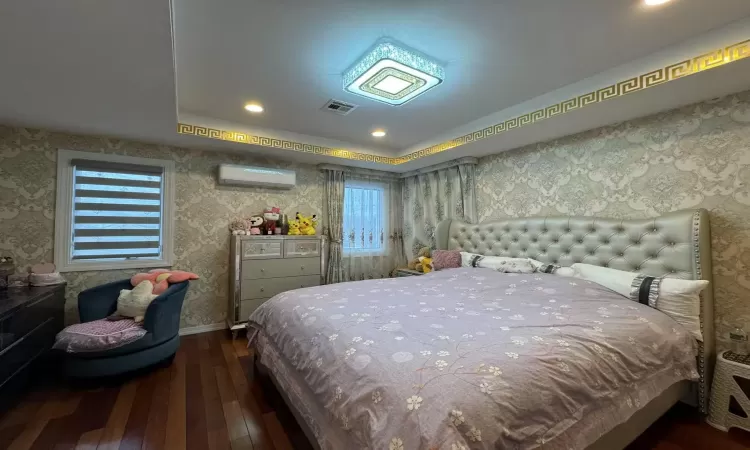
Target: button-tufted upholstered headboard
(677, 244)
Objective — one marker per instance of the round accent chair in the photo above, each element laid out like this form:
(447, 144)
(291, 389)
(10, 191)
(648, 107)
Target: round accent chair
(162, 323)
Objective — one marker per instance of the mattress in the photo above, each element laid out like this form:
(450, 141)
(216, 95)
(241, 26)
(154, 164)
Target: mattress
(468, 358)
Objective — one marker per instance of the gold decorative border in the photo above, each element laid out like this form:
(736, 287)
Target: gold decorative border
(244, 138)
(710, 60)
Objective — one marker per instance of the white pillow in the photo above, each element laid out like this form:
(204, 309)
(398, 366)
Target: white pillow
(498, 263)
(134, 303)
(677, 298)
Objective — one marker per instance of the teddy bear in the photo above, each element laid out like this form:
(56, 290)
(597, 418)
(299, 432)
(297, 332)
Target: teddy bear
(294, 228)
(255, 224)
(306, 224)
(162, 278)
(271, 216)
(239, 227)
(423, 262)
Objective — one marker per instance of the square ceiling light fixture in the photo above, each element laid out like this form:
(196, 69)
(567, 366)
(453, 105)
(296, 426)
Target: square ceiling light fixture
(392, 73)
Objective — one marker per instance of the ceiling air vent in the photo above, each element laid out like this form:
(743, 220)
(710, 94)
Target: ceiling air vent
(339, 107)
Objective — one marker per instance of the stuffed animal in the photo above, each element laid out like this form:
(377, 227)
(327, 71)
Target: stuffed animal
(134, 303)
(418, 264)
(306, 226)
(162, 278)
(271, 216)
(239, 227)
(256, 224)
(425, 264)
(294, 228)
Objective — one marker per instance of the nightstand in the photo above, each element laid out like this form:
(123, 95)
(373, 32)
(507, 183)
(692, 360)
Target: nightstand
(407, 273)
(730, 405)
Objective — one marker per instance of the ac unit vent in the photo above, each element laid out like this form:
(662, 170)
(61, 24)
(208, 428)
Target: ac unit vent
(339, 107)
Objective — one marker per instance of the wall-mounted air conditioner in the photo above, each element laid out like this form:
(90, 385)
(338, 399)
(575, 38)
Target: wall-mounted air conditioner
(256, 176)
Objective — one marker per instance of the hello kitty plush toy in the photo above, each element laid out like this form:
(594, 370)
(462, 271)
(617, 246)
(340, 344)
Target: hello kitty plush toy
(271, 216)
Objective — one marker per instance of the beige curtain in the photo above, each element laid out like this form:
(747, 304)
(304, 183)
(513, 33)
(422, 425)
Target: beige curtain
(433, 196)
(334, 203)
(373, 240)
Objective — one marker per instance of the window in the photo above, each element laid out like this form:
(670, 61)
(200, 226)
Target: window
(113, 212)
(365, 217)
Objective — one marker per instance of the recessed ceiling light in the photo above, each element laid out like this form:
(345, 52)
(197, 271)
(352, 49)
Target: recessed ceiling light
(378, 133)
(655, 2)
(392, 73)
(254, 108)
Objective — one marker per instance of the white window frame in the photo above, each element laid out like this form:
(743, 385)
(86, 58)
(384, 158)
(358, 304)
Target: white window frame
(64, 213)
(369, 184)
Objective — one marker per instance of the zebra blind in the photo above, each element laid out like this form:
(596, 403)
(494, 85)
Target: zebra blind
(117, 211)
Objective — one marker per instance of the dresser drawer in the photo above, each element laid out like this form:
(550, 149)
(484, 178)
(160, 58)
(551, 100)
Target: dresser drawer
(262, 249)
(25, 349)
(276, 268)
(248, 306)
(268, 287)
(301, 248)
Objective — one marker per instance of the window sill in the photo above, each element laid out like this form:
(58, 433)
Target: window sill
(111, 265)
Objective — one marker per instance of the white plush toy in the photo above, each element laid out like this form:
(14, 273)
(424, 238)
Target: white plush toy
(133, 303)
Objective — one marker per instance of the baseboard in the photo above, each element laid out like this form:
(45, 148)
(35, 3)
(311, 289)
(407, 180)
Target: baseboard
(203, 328)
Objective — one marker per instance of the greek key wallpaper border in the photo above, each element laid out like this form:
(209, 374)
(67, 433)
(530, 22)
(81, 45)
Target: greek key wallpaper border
(700, 63)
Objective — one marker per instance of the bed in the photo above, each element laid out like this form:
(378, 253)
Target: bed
(471, 358)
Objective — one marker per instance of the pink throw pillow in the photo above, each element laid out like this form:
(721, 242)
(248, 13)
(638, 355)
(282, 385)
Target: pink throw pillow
(446, 259)
(98, 335)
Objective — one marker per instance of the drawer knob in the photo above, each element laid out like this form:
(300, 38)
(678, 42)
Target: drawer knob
(262, 270)
(261, 289)
(302, 268)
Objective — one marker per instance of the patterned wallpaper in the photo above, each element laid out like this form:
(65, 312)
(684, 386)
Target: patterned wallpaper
(203, 210)
(696, 156)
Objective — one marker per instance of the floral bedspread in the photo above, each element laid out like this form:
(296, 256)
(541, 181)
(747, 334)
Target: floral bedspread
(470, 359)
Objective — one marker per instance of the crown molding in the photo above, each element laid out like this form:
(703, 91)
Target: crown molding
(700, 63)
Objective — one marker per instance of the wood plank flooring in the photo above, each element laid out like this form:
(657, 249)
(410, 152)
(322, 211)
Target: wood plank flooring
(207, 399)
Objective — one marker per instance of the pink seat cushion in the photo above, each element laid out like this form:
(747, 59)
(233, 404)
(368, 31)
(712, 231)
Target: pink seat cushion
(98, 335)
(446, 259)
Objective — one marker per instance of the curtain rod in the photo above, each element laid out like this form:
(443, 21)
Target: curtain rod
(394, 175)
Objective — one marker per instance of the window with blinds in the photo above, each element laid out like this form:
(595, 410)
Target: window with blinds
(117, 211)
(113, 212)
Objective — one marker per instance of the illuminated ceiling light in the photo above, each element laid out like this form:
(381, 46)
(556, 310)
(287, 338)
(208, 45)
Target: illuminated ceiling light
(378, 133)
(655, 2)
(393, 74)
(254, 108)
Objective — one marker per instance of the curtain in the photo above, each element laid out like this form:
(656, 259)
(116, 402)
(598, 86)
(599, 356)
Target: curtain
(334, 203)
(431, 197)
(373, 240)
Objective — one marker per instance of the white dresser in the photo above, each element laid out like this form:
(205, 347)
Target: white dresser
(263, 266)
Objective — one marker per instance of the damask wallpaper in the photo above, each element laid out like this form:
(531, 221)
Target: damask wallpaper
(203, 210)
(696, 156)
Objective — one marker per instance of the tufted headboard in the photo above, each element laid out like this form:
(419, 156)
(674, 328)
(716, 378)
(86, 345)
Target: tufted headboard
(677, 244)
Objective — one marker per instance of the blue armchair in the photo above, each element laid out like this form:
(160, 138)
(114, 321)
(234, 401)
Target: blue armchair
(162, 323)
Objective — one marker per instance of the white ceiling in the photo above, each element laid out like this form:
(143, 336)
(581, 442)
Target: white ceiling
(108, 67)
(290, 54)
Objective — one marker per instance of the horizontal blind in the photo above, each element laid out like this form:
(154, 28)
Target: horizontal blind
(116, 211)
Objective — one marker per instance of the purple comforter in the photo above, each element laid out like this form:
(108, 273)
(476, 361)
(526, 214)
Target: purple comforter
(468, 359)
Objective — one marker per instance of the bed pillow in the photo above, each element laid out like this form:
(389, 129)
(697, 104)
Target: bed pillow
(98, 335)
(446, 259)
(498, 263)
(677, 298)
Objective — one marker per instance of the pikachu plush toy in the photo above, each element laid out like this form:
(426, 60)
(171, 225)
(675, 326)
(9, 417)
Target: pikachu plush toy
(306, 224)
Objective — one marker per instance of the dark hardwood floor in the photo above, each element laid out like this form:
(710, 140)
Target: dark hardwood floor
(208, 399)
